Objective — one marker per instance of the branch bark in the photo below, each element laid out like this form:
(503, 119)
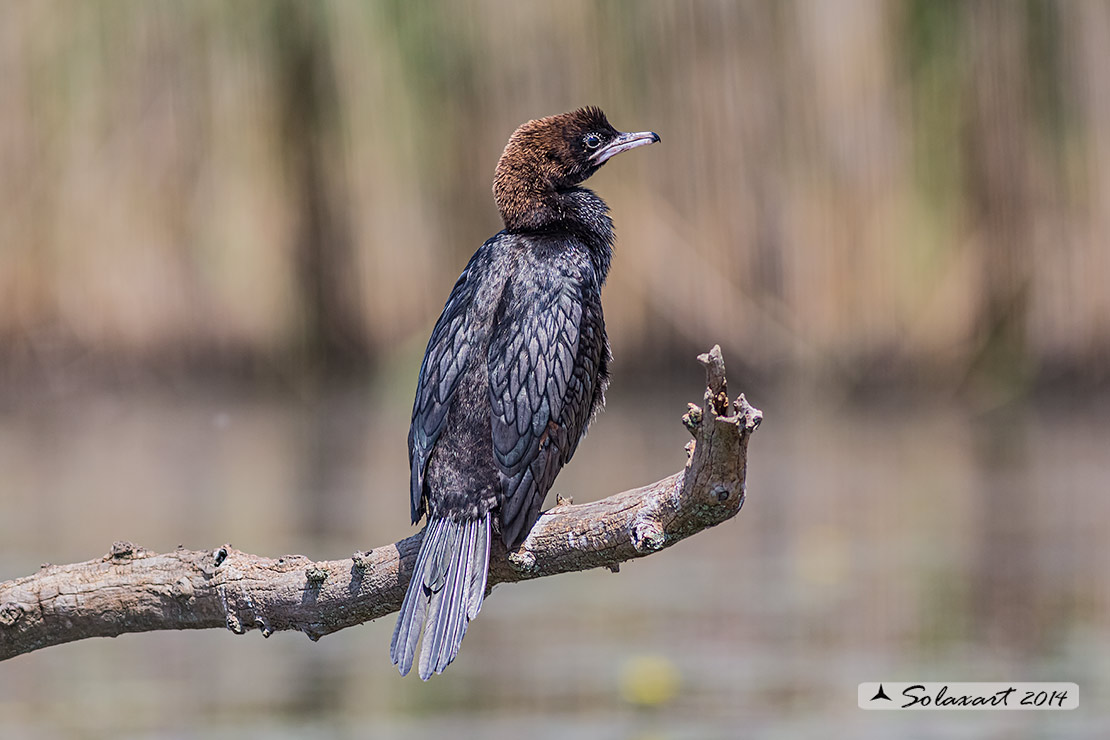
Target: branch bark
(133, 590)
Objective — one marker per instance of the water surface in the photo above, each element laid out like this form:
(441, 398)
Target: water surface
(901, 543)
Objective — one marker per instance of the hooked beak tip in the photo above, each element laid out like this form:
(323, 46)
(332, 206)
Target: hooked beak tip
(624, 142)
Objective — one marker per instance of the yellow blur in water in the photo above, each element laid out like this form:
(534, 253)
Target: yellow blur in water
(649, 680)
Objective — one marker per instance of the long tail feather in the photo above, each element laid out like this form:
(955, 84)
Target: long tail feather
(480, 572)
(445, 593)
(407, 631)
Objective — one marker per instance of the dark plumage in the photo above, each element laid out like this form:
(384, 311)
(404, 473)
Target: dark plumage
(514, 370)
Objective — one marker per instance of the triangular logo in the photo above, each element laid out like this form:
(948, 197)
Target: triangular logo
(880, 694)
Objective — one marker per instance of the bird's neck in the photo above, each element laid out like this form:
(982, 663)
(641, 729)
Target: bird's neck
(577, 211)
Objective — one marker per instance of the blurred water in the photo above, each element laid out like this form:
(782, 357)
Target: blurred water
(895, 542)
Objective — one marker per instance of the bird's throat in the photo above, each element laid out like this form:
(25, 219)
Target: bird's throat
(577, 211)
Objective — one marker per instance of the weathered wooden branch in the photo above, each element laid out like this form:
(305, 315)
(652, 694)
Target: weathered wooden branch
(133, 590)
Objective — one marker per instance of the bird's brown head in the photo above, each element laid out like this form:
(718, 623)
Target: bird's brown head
(550, 155)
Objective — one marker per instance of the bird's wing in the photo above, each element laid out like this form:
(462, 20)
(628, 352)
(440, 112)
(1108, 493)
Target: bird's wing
(545, 351)
(444, 364)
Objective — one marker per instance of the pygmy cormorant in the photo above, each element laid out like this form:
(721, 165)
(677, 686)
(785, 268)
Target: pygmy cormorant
(514, 371)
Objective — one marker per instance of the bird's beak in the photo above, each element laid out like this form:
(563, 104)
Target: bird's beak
(622, 143)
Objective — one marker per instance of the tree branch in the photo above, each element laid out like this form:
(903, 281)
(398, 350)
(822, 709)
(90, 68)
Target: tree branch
(133, 590)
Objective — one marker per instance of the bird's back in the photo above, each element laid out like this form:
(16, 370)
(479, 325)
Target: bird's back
(462, 480)
(527, 315)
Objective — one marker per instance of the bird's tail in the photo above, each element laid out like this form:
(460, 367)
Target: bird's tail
(445, 593)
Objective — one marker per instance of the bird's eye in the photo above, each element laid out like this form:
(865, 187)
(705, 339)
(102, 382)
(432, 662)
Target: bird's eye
(593, 141)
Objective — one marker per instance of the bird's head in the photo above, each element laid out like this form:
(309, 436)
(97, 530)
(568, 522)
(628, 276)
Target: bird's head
(552, 154)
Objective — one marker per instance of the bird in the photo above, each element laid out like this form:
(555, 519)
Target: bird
(514, 371)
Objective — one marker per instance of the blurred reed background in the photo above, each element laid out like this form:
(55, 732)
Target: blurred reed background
(859, 192)
(227, 228)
